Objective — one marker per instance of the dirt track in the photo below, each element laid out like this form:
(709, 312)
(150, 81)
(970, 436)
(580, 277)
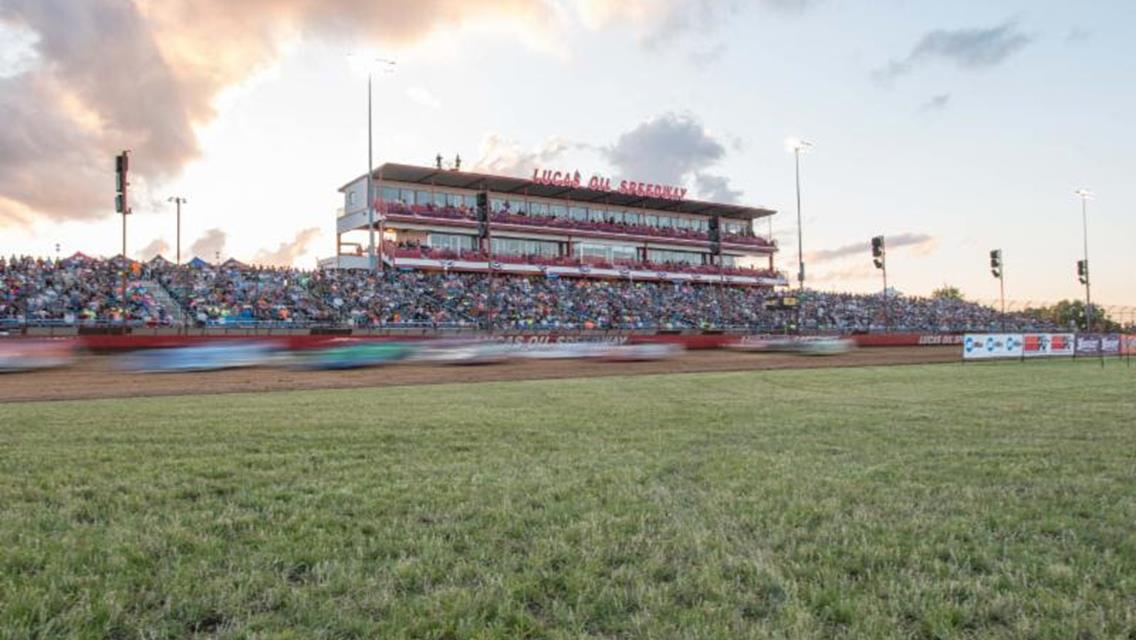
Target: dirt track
(97, 376)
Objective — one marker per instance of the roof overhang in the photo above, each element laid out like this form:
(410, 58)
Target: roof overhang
(520, 186)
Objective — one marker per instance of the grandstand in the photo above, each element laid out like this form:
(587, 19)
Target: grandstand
(85, 291)
(455, 220)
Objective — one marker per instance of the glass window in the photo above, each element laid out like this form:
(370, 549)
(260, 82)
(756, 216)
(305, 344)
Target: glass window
(596, 215)
(518, 206)
(623, 252)
(422, 197)
(631, 217)
(406, 196)
(538, 208)
(469, 200)
(617, 216)
(451, 241)
(559, 210)
(578, 213)
(650, 220)
(439, 199)
(496, 205)
(390, 194)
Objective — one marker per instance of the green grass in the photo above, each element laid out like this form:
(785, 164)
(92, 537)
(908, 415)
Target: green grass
(934, 501)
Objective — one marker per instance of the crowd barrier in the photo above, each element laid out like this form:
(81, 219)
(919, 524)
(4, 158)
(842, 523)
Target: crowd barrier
(995, 346)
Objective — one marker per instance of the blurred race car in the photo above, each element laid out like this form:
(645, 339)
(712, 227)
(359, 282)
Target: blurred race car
(356, 356)
(18, 354)
(210, 357)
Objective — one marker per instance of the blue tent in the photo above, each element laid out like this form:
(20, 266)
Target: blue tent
(198, 263)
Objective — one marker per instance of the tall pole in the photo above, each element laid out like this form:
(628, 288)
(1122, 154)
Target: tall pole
(1085, 225)
(1002, 289)
(887, 306)
(800, 240)
(178, 201)
(370, 181)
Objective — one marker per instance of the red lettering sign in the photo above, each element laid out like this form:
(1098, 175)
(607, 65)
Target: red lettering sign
(600, 183)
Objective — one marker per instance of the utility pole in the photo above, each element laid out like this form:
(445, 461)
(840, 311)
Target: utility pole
(178, 200)
(879, 258)
(996, 268)
(1086, 195)
(122, 206)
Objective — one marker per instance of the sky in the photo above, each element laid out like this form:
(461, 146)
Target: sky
(951, 128)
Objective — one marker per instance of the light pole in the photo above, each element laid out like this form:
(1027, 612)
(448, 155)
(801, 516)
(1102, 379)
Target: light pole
(797, 146)
(1085, 196)
(382, 65)
(178, 200)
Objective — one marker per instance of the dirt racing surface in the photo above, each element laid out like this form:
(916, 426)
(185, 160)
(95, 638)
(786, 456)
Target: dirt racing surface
(100, 377)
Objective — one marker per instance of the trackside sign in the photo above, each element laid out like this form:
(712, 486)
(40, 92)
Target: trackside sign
(988, 346)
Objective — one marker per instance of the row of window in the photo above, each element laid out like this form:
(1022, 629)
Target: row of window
(584, 250)
(537, 208)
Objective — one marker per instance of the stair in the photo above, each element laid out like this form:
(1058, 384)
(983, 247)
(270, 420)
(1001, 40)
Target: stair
(171, 305)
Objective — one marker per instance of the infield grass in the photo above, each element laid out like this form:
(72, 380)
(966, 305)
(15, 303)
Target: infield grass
(992, 501)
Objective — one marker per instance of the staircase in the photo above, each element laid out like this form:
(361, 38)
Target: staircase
(172, 306)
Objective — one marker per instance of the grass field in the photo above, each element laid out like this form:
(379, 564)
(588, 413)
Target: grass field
(931, 501)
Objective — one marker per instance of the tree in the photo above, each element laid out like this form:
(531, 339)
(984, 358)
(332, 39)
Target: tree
(947, 292)
(1071, 313)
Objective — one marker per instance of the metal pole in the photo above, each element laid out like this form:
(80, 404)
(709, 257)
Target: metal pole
(800, 240)
(125, 264)
(178, 257)
(887, 307)
(1088, 296)
(370, 181)
(1002, 287)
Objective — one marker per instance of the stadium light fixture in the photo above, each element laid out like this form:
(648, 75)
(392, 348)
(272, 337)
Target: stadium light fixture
(797, 145)
(373, 65)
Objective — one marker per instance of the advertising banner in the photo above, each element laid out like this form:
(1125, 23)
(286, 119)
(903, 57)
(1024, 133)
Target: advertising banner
(1129, 344)
(987, 346)
(1042, 345)
(1110, 344)
(1088, 344)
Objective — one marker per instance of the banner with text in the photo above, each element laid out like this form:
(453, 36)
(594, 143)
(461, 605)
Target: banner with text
(1042, 345)
(986, 346)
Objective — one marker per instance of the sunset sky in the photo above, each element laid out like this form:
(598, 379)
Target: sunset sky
(950, 127)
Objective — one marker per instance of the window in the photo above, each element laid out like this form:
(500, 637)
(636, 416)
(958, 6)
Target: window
(538, 208)
(729, 261)
(518, 247)
(680, 257)
(559, 210)
(439, 199)
(453, 200)
(578, 213)
(606, 252)
(422, 197)
(469, 200)
(631, 217)
(596, 215)
(390, 194)
(406, 196)
(650, 220)
(518, 206)
(496, 205)
(451, 241)
(616, 215)
(351, 197)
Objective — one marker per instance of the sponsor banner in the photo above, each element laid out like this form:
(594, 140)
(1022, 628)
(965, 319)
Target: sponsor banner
(1088, 344)
(987, 346)
(906, 339)
(1128, 343)
(1041, 345)
(1110, 344)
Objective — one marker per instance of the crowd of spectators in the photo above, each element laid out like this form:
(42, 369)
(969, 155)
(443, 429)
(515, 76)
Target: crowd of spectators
(233, 293)
(81, 289)
(78, 290)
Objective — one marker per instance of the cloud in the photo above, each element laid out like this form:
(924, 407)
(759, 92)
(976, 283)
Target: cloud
(936, 103)
(967, 49)
(208, 246)
(659, 23)
(109, 75)
(423, 97)
(1077, 35)
(287, 253)
(157, 247)
(919, 242)
(665, 149)
(715, 188)
(501, 156)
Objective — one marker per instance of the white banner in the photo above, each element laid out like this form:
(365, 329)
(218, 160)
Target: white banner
(1043, 345)
(986, 346)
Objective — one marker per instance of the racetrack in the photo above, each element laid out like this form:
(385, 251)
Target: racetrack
(100, 377)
